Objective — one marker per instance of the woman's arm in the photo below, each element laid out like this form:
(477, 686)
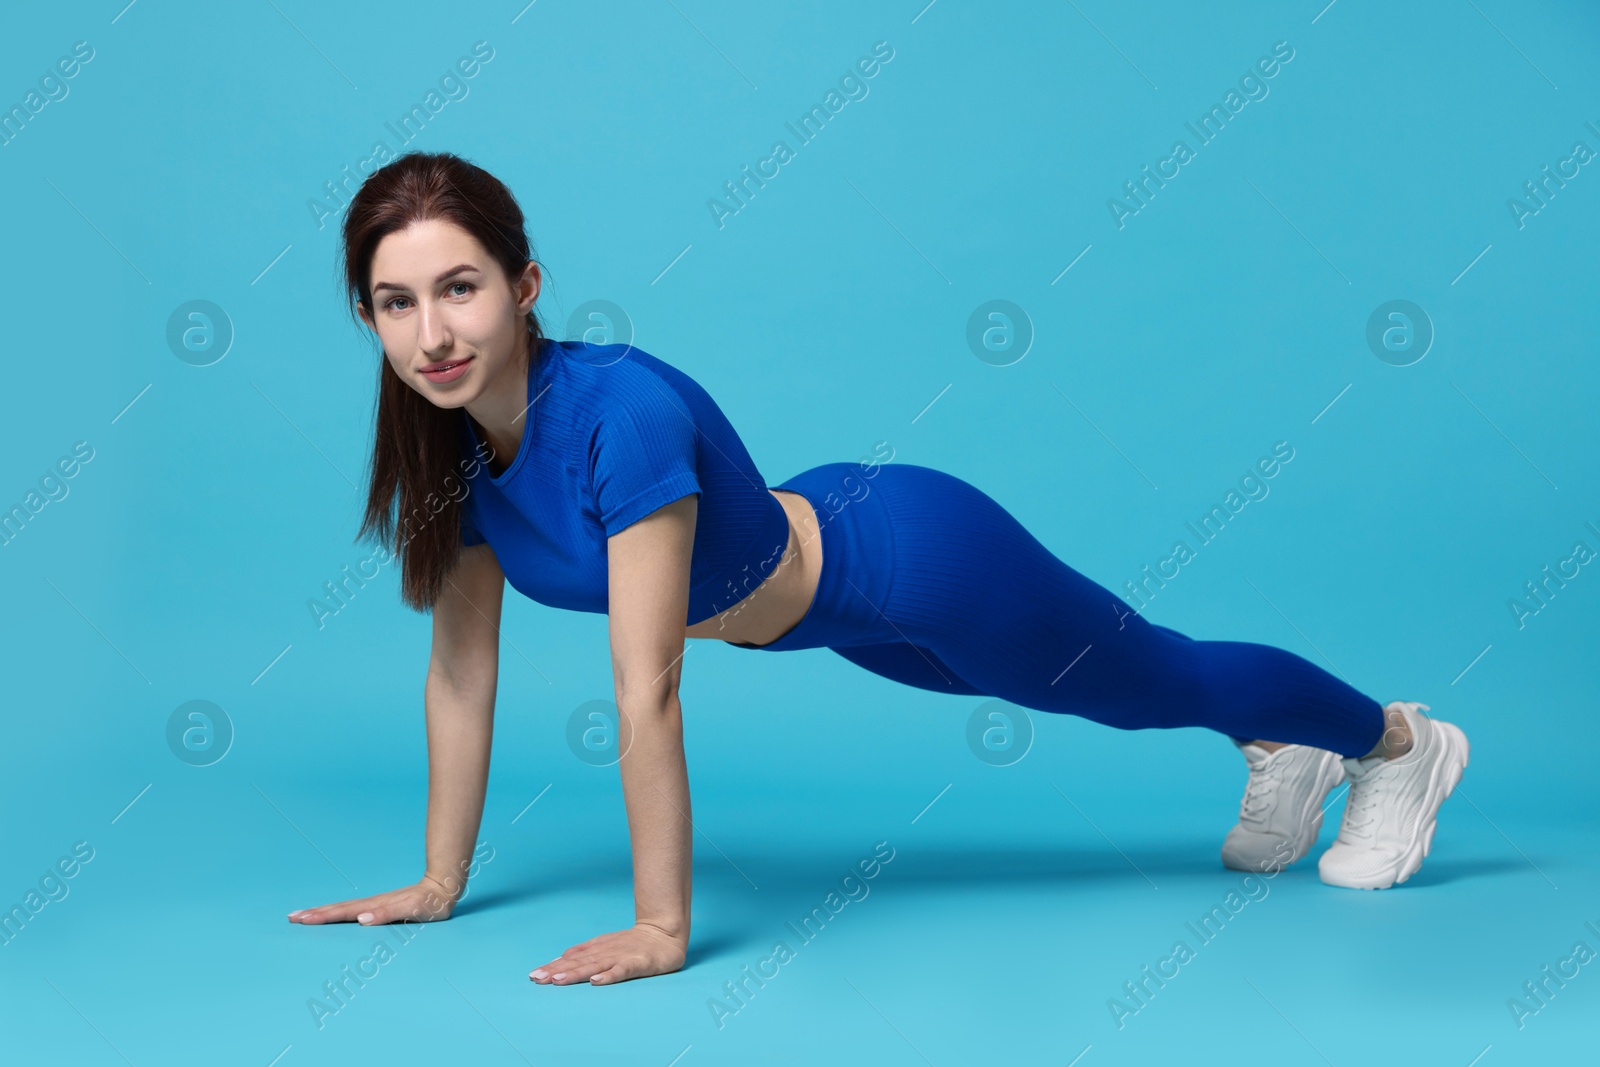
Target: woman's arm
(463, 671)
(648, 605)
(459, 695)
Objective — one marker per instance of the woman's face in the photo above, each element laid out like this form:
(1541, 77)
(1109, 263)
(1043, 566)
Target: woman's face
(449, 319)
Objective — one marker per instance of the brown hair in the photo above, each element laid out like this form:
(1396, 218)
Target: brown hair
(417, 447)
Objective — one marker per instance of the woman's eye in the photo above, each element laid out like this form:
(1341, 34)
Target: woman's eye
(391, 302)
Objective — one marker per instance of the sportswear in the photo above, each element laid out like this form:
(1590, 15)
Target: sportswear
(929, 581)
(925, 579)
(612, 434)
(1393, 807)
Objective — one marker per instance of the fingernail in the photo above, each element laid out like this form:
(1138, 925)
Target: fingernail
(540, 973)
(560, 976)
(364, 917)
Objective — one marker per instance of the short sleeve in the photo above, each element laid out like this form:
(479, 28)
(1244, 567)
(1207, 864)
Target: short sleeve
(642, 455)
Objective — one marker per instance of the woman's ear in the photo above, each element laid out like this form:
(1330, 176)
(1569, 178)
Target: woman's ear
(528, 285)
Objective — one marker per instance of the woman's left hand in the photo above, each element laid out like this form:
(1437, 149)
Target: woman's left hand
(638, 952)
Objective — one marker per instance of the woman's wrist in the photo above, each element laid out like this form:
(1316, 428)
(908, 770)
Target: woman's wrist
(450, 886)
(675, 928)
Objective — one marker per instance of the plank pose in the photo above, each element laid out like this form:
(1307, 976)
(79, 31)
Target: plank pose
(603, 479)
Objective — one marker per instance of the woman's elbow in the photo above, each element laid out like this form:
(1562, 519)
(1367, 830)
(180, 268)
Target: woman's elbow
(649, 698)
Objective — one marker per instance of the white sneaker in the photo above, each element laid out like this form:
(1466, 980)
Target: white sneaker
(1281, 813)
(1393, 805)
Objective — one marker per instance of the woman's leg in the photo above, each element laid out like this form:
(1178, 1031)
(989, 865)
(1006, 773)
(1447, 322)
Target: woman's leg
(930, 582)
(985, 598)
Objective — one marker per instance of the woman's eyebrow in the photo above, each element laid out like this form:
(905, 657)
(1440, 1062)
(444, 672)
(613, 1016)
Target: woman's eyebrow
(452, 271)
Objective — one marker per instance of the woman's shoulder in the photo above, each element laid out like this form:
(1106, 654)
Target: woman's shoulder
(624, 374)
(621, 363)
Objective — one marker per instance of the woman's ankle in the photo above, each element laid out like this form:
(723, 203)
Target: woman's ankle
(1396, 740)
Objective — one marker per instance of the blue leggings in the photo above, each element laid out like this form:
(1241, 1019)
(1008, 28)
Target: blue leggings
(928, 581)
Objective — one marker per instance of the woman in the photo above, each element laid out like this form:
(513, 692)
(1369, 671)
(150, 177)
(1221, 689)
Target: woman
(611, 482)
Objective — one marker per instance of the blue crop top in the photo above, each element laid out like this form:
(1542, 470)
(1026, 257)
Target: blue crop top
(612, 434)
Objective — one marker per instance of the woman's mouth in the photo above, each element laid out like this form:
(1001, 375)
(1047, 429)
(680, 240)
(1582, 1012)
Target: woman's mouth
(447, 371)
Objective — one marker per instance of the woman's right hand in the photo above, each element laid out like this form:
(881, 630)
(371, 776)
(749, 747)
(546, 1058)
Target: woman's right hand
(427, 901)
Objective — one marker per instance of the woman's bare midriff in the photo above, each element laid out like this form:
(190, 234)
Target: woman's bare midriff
(778, 604)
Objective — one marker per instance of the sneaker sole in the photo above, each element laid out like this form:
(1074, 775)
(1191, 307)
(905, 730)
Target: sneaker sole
(1446, 776)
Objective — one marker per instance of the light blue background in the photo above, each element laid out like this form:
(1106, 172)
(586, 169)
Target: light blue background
(827, 315)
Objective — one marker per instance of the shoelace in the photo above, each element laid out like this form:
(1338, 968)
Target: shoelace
(1256, 789)
(1360, 807)
(1367, 794)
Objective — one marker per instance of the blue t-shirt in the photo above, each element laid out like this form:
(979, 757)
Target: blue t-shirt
(612, 434)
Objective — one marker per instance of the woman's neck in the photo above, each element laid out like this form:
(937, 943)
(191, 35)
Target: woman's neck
(498, 415)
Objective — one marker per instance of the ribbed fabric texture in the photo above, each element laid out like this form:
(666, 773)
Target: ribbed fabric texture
(929, 581)
(613, 434)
